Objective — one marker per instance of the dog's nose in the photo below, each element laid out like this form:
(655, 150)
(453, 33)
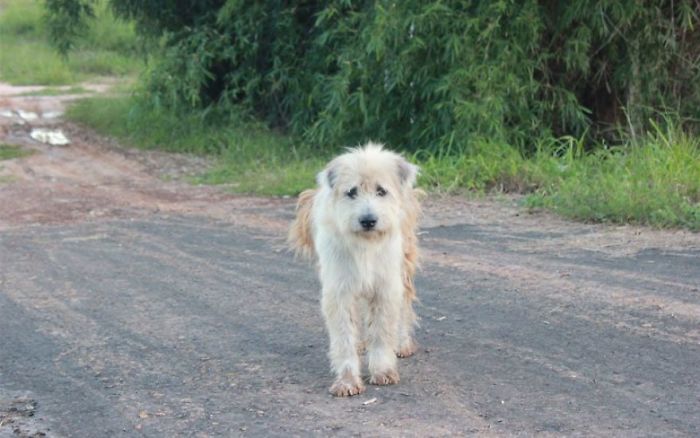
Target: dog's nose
(368, 221)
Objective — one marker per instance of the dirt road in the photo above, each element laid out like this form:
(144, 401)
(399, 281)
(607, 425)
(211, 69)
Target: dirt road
(132, 304)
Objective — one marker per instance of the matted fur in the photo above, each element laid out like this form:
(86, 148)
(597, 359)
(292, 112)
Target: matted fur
(366, 275)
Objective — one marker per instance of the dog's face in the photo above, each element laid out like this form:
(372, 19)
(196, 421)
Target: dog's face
(367, 188)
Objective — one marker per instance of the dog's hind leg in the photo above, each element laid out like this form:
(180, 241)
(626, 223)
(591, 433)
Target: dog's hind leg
(340, 315)
(407, 346)
(382, 331)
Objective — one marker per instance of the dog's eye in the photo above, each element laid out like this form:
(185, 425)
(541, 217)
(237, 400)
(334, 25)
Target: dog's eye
(352, 193)
(381, 191)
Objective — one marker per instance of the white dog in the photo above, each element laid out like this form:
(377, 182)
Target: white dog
(361, 224)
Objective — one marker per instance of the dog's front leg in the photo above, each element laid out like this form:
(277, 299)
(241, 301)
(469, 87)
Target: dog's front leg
(341, 320)
(385, 309)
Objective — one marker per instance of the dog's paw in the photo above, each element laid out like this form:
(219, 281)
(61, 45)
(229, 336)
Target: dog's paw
(389, 377)
(347, 386)
(407, 349)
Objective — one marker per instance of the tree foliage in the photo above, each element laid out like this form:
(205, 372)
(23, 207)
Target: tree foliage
(421, 74)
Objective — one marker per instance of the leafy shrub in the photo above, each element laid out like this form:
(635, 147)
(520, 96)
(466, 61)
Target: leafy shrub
(422, 75)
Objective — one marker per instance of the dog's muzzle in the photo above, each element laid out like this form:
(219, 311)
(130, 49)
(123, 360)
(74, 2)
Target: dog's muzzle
(368, 222)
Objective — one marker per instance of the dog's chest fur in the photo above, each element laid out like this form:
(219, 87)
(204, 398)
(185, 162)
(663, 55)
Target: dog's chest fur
(362, 266)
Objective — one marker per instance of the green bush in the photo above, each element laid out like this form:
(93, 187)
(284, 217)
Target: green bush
(422, 74)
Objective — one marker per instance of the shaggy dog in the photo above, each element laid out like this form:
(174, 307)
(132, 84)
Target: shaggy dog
(360, 224)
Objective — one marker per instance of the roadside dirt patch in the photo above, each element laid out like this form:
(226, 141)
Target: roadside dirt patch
(94, 177)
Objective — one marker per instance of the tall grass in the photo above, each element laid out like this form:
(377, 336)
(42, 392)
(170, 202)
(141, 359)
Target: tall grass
(654, 181)
(108, 47)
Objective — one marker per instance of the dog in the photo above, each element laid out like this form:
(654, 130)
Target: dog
(360, 225)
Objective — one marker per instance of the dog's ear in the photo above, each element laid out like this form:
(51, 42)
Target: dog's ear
(407, 173)
(327, 177)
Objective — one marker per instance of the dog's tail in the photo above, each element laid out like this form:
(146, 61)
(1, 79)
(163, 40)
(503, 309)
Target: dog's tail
(300, 237)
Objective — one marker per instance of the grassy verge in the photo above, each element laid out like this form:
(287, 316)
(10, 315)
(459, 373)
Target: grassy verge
(108, 48)
(8, 152)
(251, 159)
(655, 182)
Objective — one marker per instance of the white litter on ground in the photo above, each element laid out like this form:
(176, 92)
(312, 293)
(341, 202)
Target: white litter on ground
(51, 114)
(54, 138)
(7, 113)
(29, 116)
